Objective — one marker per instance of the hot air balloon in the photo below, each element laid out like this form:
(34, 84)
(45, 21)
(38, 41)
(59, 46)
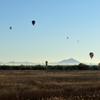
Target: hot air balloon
(91, 54)
(33, 22)
(67, 37)
(10, 28)
(80, 64)
(99, 64)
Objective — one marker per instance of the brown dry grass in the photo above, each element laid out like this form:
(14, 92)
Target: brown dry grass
(49, 85)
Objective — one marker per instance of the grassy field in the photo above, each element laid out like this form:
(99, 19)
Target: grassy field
(49, 85)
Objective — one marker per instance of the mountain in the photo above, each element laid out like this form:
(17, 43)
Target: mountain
(1, 63)
(19, 63)
(70, 61)
(64, 62)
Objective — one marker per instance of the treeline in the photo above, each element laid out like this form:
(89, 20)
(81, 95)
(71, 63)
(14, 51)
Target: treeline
(57, 67)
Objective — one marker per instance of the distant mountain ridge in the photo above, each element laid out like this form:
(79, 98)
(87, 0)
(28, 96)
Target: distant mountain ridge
(1, 63)
(19, 63)
(70, 61)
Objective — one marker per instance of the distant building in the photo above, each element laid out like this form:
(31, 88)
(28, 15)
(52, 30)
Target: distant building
(46, 63)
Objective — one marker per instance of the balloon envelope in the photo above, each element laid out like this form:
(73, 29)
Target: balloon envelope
(91, 54)
(33, 22)
(10, 28)
(80, 64)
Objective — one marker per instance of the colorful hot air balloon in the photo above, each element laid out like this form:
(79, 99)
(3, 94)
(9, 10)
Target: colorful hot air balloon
(91, 54)
(33, 22)
(80, 64)
(10, 28)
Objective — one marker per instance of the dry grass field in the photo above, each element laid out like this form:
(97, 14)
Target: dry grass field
(49, 85)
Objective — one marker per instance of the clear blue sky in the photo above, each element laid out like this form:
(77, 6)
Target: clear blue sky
(47, 39)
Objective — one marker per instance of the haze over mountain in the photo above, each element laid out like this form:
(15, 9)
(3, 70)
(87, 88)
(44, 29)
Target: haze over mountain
(1, 63)
(20, 63)
(70, 61)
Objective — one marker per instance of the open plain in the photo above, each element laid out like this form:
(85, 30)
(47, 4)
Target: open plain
(49, 85)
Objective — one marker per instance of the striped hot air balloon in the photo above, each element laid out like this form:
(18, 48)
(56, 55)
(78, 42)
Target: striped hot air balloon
(91, 54)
